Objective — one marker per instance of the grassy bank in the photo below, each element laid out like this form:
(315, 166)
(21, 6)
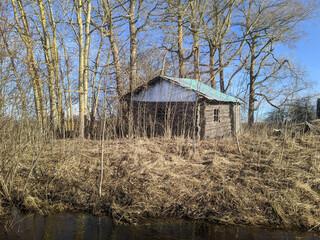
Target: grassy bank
(264, 180)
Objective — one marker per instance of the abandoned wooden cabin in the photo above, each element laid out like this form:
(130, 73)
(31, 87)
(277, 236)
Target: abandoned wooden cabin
(179, 106)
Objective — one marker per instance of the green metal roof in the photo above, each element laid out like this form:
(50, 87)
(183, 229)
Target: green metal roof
(203, 89)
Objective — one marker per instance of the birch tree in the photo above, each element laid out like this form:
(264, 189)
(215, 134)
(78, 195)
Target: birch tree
(22, 27)
(83, 38)
(56, 64)
(46, 46)
(70, 120)
(107, 27)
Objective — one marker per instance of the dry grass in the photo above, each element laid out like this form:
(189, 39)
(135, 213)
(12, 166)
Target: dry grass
(274, 182)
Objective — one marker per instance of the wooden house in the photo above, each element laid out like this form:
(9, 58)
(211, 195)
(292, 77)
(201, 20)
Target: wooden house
(180, 106)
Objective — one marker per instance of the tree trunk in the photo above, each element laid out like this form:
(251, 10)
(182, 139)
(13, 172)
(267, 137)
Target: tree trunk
(54, 121)
(71, 120)
(56, 64)
(114, 48)
(221, 73)
(95, 94)
(133, 45)
(133, 60)
(182, 70)
(31, 63)
(211, 67)
(196, 52)
(86, 61)
(81, 69)
(251, 108)
(69, 100)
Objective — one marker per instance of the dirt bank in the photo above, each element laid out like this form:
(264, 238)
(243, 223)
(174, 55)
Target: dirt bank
(274, 181)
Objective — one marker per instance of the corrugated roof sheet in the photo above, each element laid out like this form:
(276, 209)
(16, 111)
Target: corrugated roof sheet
(203, 89)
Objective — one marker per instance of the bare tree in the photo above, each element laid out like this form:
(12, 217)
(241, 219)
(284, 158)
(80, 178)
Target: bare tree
(136, 12)
(83, 38)
(5, 29)
(277, 23)
(56, 65)
(46, 42)
(68, 91)
(220, 30)
(195, 16)
(96, 90)
(22, 27)
(178, 13)
(109, 22)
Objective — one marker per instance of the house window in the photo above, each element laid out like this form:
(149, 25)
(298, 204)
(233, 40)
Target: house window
(216, 115)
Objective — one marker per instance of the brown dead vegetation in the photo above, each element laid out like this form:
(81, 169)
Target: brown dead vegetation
(274, 181)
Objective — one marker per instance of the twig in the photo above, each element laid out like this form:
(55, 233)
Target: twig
(314, 227)
(33, 166)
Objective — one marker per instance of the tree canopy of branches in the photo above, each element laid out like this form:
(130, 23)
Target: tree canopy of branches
(58, 58)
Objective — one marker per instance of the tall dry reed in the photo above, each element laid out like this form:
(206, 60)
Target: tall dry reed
(273, 181)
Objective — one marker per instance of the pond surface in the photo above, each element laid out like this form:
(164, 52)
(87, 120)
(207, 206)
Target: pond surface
(83, 227)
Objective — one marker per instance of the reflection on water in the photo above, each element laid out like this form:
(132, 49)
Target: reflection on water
(82, 227)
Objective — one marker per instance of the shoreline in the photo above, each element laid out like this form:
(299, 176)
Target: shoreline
(177, 178)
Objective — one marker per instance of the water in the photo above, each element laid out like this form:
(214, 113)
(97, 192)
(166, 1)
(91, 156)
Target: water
(83, 227)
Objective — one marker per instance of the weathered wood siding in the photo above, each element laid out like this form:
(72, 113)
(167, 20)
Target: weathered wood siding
(229, 121)
(186, 119)
(220, 128)
(164, 118)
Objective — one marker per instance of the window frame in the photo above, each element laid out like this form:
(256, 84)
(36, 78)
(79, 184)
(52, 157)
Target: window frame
(216, 115)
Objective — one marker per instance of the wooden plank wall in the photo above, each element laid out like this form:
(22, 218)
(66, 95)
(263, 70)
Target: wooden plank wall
(164, 118)
(216, 129)
(182, 119)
